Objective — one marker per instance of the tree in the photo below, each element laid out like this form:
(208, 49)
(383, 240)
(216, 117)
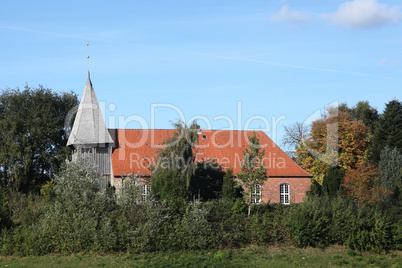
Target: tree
(350, 137)
(229, 186)
(364, 112)
(253, 171)
(363, 185)
(178, 178)
(391, 169)
(178, 152)
(82, 215)
(332, 181)
(171, 178)
(207, 181)
(388, 131)
(32, 137)
(294, 134)
(169, 185)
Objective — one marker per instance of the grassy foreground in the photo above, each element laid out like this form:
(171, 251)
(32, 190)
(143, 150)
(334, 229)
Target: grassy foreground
(334, 256)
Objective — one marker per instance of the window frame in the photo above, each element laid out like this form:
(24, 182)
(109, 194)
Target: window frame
(283, 195)
(145, 192)
(256, 194)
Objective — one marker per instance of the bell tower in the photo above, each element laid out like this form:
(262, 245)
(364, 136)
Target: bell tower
(89, 135)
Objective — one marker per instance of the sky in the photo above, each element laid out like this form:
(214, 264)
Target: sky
(229, 64)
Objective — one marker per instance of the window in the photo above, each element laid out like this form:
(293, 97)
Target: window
(204, 137)
(145, 192)
(284, 194)
(256, 194)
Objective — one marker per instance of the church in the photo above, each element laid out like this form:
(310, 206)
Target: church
(118, 153)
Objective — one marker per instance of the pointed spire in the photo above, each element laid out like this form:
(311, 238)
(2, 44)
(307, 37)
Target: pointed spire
(89, 127)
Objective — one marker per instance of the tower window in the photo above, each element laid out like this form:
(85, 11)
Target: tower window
(204, 137)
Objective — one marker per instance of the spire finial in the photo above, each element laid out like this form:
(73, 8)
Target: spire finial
(88, 54)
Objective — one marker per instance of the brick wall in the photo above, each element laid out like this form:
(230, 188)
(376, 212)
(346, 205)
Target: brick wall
(297, 188)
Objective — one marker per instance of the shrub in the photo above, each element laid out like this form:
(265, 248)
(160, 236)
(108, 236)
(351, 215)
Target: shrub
(25, 209)
(310, 222)
(153, 233)
(228, 226)
(195, 227)
(370, 230)
(80, 217)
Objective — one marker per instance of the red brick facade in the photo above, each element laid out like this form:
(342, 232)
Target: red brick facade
(297, 189)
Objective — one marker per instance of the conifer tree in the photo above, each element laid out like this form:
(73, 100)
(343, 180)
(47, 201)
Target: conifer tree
(229, 186)
(388, 131)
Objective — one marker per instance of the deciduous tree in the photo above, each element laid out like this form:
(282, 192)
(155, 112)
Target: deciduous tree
(363, 185)
(32, 136)
(350, 137)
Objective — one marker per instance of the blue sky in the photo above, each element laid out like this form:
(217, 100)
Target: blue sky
(249, 62)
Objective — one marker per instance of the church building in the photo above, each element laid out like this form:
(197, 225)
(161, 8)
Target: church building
(119, 153)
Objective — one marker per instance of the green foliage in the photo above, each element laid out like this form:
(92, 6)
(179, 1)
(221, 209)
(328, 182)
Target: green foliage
(32, 138)
(79, 219)
(25, 209)
(310, 223)
(229, 186)
(364, 112)
(178, 152)
(370, 230)
(177, 178)
(391, 169)
(194, 230)
(321, 221)
(47, 190)
(5, 219)
(388, 131)
(206, 184)
(170, 186)
(130, 195)
(153, 233)
(255, 256)
(239, 206)
(172, 176)
(228, 226)
(332, 181)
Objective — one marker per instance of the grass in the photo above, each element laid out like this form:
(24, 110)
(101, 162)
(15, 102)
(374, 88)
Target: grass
(247, 257)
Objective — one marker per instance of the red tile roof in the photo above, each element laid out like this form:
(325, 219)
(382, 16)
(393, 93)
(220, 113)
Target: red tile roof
(135, 149)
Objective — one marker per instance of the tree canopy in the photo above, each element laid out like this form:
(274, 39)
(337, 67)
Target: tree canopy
(351, 139)
(32, 136)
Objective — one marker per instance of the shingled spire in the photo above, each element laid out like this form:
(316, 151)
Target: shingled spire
(89, 129)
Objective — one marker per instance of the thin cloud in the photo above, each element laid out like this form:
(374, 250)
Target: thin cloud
(364, 14)
(284, 65)
(290, 16)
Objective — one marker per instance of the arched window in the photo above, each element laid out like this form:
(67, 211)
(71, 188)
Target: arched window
(284, 194)
(256, 194)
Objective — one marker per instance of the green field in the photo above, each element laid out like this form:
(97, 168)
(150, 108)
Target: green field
(249, 257)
